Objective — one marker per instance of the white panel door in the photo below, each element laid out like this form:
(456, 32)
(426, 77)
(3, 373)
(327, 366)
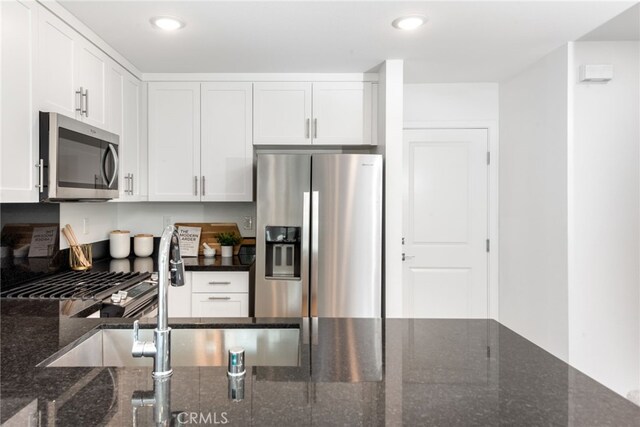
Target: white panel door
(131, 152)
(19, 131)
(341, 113)
(91, 71)
(56, 64)
(445, 223)
(226, 161)
(282, 113)
(174, 142)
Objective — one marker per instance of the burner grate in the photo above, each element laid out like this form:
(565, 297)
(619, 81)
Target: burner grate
(76, 285)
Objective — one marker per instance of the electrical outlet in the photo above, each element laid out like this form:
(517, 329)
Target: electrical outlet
(85, 226)
(247, 223)
(166, 221)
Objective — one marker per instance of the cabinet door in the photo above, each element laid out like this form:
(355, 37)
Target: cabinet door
(226, 161)
(342, 113)
(174, 141)
(219, 305)
(131, 142)
(115, 86)
(221, 281)
(19, 132)
(179, 300)
(282, 113)
(91, 70)
(56, 61)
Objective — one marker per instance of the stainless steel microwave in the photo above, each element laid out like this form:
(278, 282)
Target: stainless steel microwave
(78, 162)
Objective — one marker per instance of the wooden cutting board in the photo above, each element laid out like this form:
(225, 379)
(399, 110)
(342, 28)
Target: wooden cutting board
(209, 232)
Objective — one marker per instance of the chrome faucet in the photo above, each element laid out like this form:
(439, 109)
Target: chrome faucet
(169, 261)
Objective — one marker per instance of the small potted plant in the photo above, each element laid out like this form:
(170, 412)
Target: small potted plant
(227, 241)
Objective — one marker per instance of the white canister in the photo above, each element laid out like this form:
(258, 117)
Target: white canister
(143, 245)
(119, 244)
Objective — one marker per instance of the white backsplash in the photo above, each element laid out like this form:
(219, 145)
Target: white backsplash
(150, 217)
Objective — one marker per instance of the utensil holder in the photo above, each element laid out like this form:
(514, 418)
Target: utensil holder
(80, 257)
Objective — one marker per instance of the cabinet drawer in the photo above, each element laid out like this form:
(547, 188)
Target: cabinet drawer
(228, 281)
(219, 305)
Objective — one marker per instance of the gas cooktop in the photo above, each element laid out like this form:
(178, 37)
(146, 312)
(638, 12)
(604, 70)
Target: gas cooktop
(76, 285)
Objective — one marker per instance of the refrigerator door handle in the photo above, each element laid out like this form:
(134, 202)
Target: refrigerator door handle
(314, 253)
(306, 214)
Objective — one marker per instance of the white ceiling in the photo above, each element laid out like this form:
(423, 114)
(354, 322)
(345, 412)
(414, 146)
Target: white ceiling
(462, 42)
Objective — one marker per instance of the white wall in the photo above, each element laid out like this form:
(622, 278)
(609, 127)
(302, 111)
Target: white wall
(101, 218)
(390, 146)
(533, 203)
(149, 217)
(450, 102)
(604, 218)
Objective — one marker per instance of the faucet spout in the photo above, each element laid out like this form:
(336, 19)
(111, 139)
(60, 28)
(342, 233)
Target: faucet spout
(170, 270)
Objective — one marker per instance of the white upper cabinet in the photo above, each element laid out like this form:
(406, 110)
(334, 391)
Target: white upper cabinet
(282, 113)
(71, 72)
(342, 113)
(200, 142)
(19, 131)
(56, 66)
(226, 162)
(91, 68)
(174, 142)
(124, 118)
(294, 113)
(133, 144)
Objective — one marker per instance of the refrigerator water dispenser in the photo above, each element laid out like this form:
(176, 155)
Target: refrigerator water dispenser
(282, 252)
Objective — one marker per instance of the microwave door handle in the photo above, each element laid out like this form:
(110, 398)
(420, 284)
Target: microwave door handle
(114, 153)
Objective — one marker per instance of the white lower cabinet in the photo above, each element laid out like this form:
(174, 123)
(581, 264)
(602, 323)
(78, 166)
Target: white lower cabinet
(211, 294)
(219, 305)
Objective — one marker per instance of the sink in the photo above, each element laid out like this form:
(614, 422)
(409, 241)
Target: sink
(189, 347)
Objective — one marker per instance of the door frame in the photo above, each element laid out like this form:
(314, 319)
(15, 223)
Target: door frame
(491, 126)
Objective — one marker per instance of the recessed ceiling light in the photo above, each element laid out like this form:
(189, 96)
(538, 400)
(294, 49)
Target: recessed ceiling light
(167, 23)
(409, 22)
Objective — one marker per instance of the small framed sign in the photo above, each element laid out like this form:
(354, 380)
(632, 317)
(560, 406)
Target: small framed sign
(43, 241)
(189, 240)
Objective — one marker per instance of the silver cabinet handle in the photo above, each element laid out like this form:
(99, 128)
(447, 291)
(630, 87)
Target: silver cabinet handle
(40, 167)
(79, 100)
(195, 186)
(202, 190)
(131, 182)
(306, 131)
(315, 128)
(219, 283)
(126, 187)
(86, 102)
(220, 298)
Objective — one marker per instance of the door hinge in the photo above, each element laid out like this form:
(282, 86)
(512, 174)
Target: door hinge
(488, 158)
(488, 245)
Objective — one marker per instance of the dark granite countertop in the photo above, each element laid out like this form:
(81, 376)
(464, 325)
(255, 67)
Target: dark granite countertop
(351, 372)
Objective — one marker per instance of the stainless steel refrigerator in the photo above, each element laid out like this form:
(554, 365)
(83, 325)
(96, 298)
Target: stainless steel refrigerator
(319, 235)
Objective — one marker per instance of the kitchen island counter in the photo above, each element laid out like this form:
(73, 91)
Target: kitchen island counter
(350, 372)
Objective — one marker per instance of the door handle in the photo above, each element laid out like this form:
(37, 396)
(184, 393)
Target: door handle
(220, 298)
(219, 283)
(40, 167)
(86, 102)
(202, 189)
(315, 128)
(114, 155)
(131, 182)
(195, 186)
(79, 100)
